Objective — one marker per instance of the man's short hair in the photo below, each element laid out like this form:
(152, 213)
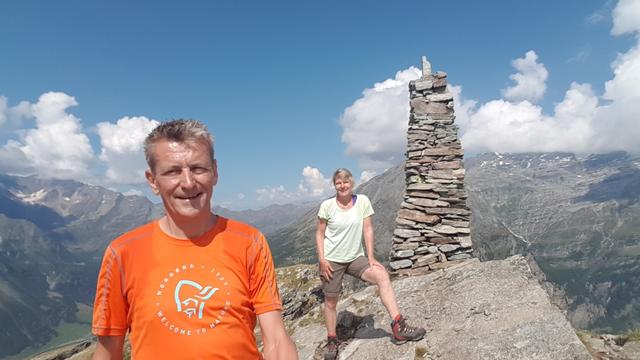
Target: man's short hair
(179, 130)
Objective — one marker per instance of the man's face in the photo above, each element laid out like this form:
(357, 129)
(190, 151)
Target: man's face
(184, 177)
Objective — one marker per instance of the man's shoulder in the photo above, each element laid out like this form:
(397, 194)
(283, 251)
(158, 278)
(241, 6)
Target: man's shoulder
(140, 233)
(240, 229)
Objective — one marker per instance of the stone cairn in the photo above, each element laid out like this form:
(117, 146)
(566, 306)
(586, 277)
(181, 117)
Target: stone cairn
(432, 224)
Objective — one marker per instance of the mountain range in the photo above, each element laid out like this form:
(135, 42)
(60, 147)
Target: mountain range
(577, 215)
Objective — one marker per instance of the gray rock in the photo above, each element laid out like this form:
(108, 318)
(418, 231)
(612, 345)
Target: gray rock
(448, 248)
(440, 97)
(465, 241)
(426, 260)
(458, 224)
(428, 202)
(422, 250)
(420, 187)
(407, 246)
(459, 256)
(402, 254)
(422, 107)
(445, 229)
(442, 151)
(426, 67)
(406, 233)
(421, 85)
(400, 264)
(417, 216)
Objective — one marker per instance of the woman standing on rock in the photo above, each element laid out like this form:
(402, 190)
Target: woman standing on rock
(343, 221)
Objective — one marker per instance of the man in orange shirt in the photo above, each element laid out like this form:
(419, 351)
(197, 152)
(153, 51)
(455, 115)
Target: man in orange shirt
(191, 284)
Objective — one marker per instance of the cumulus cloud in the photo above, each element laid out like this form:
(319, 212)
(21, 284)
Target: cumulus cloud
(313, 185)
(56, 147)
(366, 176)
(374, 127)
(14, 115)
(504, 126)
(626, 17)
(133, 192)
(582, 122)
(530, 79)
(122, 148)
(277, 194)
(3, 110)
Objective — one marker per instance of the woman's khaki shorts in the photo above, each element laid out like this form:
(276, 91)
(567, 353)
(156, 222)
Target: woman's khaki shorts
(355, 268)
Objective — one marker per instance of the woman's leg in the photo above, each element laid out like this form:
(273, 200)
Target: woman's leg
(379, 276)
(330, 314)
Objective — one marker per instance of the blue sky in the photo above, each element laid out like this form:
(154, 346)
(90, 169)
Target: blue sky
(289, 88)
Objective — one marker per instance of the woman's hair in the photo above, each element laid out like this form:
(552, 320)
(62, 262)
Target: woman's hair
(180, 130)
(342, 173)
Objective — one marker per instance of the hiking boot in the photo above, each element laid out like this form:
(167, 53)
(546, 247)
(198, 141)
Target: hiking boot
(331, 350)
(403, 332)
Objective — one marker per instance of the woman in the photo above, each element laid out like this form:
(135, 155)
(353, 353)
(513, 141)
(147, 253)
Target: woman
(343, 221)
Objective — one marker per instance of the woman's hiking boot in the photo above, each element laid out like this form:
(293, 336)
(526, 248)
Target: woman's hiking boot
(401, 332)
(331, 350)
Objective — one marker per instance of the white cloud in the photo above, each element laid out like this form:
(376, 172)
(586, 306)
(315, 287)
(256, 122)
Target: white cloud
(626, 81)
(530, 79)
(581, 56)
(374, 127)
(56, 148)
(241, 196)
(601, 14)
(580, 123)
(15, 114)
(366, 176)
(313, 185)
(3, 110)
(14, 161)
(276, 194)
(122, 148)
(626, 17)
(504, 126)
(131, 192)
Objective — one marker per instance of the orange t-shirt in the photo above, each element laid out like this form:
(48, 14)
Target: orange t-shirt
(186, 299)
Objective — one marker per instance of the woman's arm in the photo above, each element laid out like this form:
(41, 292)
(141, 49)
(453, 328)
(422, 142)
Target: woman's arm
(325, 268)
(368, 240)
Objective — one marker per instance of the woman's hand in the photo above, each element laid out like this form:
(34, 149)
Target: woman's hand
(373, 262)
(326, 271)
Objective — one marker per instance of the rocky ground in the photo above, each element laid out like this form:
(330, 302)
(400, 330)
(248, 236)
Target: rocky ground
(472, 310)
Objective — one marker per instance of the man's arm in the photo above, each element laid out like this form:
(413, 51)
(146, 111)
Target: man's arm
(109, 348)
(277, 343)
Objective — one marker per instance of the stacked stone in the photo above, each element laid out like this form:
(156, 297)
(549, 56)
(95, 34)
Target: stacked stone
(432, 225)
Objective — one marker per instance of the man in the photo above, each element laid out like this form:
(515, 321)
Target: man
(191, 284)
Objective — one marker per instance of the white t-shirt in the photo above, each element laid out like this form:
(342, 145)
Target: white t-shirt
(344, 233)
